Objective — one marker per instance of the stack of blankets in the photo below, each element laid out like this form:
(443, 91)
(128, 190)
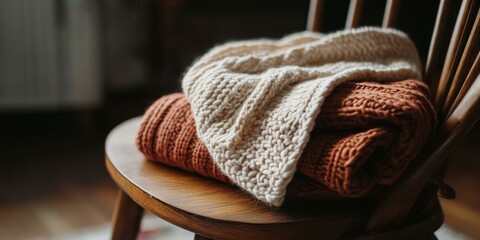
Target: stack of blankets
(308, 116)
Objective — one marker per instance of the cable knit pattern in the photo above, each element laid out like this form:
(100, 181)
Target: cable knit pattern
(364, 137)
(255, 102)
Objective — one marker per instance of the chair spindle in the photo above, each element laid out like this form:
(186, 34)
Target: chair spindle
(470, 52)
(434, 53)
(455, 50)
(354, 14)
(391, 12)
(474, 71)
(314, 15)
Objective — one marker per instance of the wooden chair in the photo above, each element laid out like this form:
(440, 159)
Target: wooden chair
(407, 210)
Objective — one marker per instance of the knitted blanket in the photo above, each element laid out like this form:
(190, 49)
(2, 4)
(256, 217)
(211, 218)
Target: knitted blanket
(255, 102)
(364, 137)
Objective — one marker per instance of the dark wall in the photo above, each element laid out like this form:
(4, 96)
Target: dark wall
(187, 29)
(184, 29)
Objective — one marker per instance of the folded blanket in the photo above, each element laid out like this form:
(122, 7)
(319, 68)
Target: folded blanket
(255, 102)
(364, 137)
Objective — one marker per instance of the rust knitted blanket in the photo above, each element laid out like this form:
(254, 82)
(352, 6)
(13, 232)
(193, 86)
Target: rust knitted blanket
(364, 137)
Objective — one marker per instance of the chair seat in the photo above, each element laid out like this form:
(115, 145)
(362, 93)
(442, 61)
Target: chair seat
(200, 204)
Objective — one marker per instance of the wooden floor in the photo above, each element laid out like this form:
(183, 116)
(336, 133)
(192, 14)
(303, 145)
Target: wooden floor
(53, 180)
(70, 208)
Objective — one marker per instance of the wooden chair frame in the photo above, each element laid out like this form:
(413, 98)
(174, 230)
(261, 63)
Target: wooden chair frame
(455, 86)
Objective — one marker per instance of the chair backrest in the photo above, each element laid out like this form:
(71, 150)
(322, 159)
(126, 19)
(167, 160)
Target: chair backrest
(452, 71)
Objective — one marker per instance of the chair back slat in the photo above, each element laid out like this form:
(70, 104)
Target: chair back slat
(453, 129)
(454, 74)
(354, 14)
(465, 115)
(397, 201)
(391, 12)
(464, 66)
(455, 50)
(452, 71)
(433, 63)
(314, 15)
(474, 71)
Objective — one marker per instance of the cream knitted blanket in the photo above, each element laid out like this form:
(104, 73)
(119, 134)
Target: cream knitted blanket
(255, 102)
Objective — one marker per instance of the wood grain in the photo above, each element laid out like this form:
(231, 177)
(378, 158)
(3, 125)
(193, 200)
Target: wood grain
(216, 210)
(126, 219)
(200, 237)
(200, 204)
(219, 211)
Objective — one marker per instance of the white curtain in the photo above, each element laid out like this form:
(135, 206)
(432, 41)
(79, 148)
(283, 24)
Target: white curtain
(49, 54)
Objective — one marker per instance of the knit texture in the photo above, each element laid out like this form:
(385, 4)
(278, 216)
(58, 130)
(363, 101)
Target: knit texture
(365, 136)
(255, 102)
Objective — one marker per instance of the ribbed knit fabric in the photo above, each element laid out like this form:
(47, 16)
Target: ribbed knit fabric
(255, 102)
(364, 137)
(168, 135)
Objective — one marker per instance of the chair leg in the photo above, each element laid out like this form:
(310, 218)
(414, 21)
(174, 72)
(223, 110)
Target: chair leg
(126, 218)
(200, 237)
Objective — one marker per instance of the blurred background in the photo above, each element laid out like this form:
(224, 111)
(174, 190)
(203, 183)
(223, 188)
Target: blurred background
(70, 70)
